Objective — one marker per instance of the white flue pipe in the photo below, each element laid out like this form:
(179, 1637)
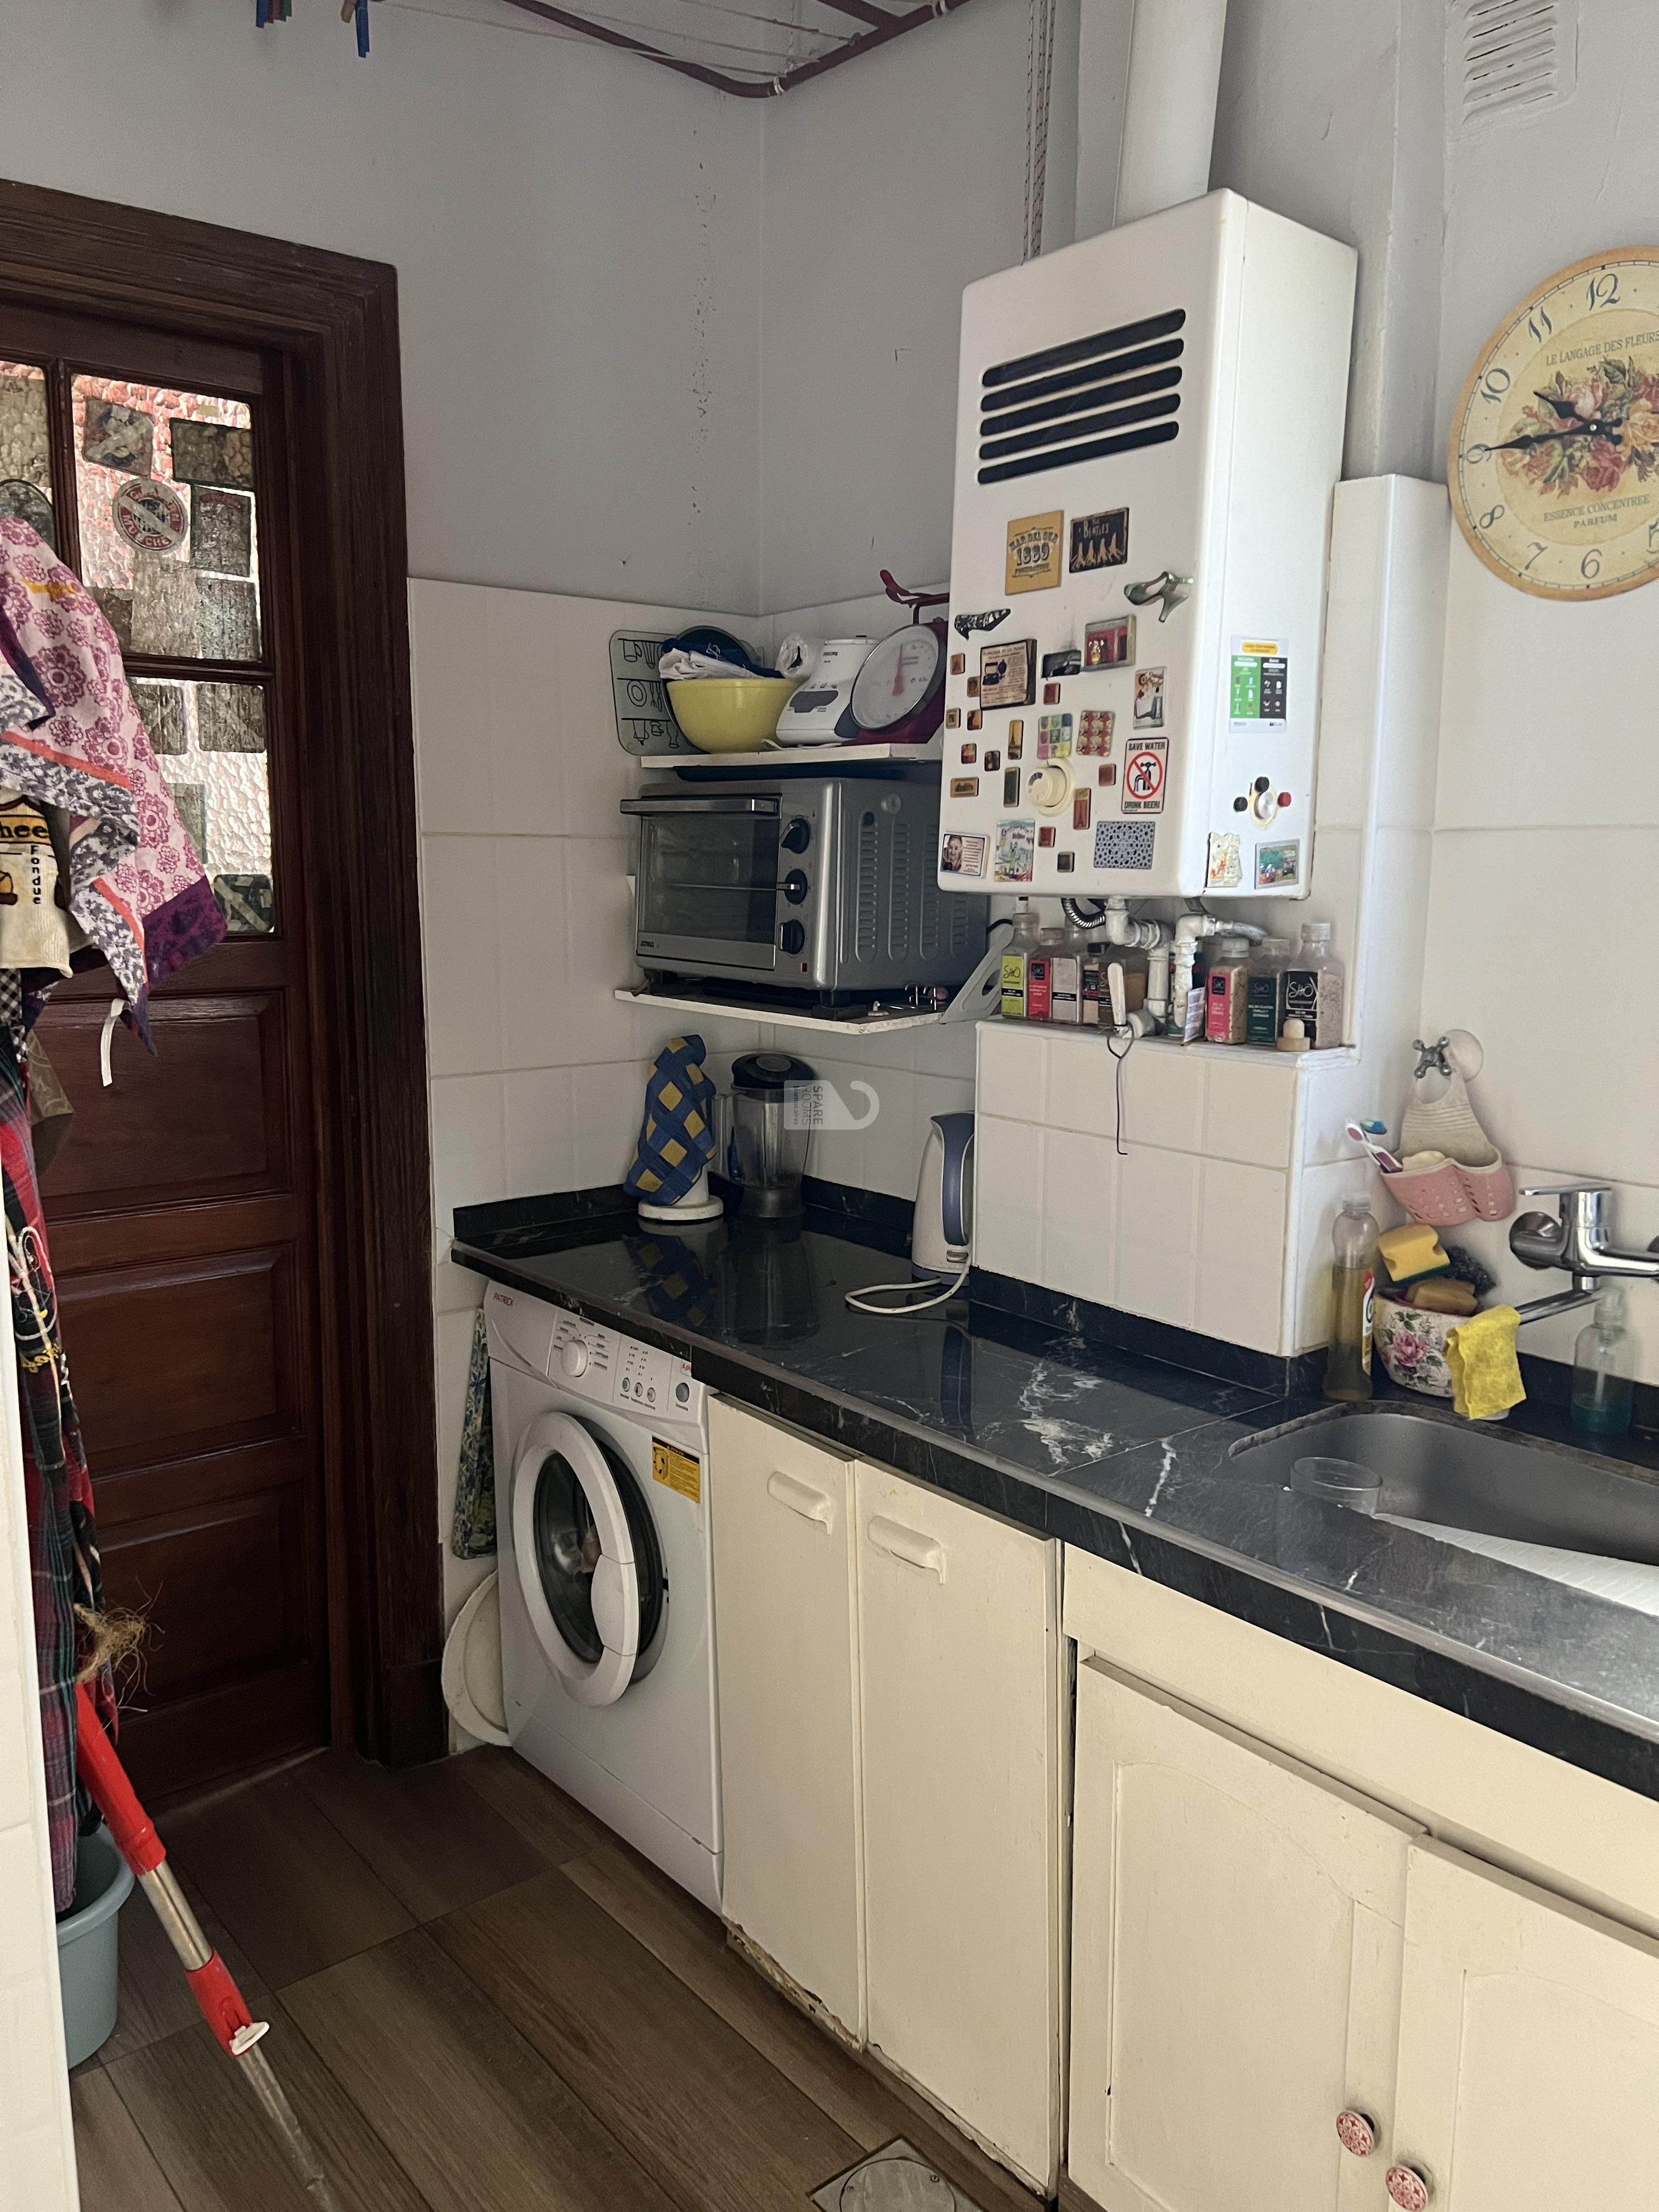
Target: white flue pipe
(1169, 121)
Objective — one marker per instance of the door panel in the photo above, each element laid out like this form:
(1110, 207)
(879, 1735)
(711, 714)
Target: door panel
(181, 1208)
(1529, 2047)
(1236, 1930)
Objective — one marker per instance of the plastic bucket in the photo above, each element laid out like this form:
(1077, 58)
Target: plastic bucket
(87, 1957)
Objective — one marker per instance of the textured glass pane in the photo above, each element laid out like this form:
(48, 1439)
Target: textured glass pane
(25, 447)
(169, 534)
(209, 739)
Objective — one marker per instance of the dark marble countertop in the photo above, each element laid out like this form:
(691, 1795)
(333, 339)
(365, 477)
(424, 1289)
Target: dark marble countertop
(1130, 1457)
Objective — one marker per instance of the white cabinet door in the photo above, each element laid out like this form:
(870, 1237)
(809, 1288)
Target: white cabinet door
(1237, 1928)
(959, 1668)
(1528, 2048)
(786, 1661)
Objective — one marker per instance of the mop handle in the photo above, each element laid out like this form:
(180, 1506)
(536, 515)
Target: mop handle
(210, 1980)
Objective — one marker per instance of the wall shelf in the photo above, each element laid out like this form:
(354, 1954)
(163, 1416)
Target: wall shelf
(776, 756)
(783, 1017)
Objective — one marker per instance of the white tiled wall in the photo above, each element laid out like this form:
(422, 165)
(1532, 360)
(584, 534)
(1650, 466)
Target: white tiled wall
(37, 2152)
(1216, 1213)
(1541, 911)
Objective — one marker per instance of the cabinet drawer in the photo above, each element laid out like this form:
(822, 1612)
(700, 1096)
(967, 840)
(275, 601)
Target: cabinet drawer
(786, 1664)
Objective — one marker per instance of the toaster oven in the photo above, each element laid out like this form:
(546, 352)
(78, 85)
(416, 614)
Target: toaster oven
(820, 884)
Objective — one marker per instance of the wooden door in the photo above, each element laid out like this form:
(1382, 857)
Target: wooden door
(1237, 1926)
(959, 1692)
(787, 1661)
(180, 1209)
(1529, 2047)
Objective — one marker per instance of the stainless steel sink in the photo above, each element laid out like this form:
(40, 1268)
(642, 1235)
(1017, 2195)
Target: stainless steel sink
(1461, 1478)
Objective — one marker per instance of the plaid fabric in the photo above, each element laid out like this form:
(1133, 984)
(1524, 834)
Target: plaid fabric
(64, 1561)
(676, 1140)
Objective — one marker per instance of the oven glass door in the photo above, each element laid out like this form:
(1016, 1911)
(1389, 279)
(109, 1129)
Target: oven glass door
(708, 875)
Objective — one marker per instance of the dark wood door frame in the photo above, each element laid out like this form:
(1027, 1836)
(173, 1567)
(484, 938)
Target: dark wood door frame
(329, 323)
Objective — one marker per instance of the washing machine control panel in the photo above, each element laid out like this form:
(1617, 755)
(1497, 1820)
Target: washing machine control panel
(594, 1362)
(657, 1383)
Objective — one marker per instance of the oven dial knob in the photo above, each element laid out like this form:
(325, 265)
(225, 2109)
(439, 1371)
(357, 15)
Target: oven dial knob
(792, 937)
(798, 837)
(572, 1358)
(795, 887)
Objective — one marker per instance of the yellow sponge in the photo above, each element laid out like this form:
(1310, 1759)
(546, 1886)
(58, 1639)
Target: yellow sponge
(1410, 1250)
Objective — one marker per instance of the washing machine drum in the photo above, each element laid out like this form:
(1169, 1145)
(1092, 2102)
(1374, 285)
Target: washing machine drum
(588, 1559)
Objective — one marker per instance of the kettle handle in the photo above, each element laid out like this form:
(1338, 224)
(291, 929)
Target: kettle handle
(956, 1131)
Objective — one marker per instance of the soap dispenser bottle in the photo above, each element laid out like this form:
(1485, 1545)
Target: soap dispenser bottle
(1348, 1363)
(1601, 1364)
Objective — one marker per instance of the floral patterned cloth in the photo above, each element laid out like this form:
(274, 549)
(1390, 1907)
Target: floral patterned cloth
(136, 886)
(472, 1529)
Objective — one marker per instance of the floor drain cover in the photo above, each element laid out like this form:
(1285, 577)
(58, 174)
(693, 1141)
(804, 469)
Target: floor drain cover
(896, 2179)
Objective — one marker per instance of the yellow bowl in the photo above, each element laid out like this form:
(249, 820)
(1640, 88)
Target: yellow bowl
(730, 713)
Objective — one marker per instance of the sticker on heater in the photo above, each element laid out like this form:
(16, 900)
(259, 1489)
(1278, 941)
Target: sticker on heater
(1094, 732)
(1276, 865)
(1259, 691)
(676, 1470)
(962, 856)
(1034, 549)
(1016, 852)
(1054, 736)
(1149, 698)
(1006, 677)
(1124, 844)
(1145, 767)
(1100, 541)
(1225, 870)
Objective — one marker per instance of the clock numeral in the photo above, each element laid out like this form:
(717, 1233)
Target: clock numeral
(1493, 516)
(1540, 325)
(1476, 454)
(1602, 291)
(1535, 549)
(1494, 384)
(1591, 567)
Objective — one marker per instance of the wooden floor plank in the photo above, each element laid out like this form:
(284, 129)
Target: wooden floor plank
(692, 1944)
(551, 1823)
(475, 2117)
(154, 1998)
(284, 1880)
(436, 1843)
(712, 2121)
(212, 2140)
(117, 2170)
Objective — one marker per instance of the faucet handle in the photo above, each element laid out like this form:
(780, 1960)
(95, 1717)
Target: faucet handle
(1562, 1189)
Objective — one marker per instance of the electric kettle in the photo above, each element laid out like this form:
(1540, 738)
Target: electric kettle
(942, 1229)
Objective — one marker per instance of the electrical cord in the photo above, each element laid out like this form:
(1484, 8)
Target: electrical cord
(860, 1300)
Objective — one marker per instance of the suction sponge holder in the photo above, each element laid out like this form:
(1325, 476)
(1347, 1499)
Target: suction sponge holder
(1471, 1181)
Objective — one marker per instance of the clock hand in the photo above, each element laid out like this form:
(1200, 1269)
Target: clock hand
(1595, 428)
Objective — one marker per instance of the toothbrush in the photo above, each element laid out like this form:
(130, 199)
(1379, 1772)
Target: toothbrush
(1369, 1133)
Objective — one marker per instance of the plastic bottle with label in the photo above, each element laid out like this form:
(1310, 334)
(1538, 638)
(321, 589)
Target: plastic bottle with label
(1066, 974)
(1348, 1363)
(1225, 991)
(1313, 987)
(1603, 1362)
(1040, 975)
(1021, 944)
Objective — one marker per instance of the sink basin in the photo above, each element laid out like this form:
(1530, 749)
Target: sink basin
(1464, 1479)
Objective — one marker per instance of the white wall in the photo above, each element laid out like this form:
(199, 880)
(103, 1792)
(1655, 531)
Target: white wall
(890, 185)
(575, 235)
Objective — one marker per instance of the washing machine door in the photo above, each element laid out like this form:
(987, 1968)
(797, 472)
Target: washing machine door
(587, 1557)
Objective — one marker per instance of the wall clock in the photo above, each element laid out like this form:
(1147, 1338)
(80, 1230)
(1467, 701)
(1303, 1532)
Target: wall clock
(1553, 467)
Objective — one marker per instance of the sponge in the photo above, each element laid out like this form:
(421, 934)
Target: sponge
(1411, 1251)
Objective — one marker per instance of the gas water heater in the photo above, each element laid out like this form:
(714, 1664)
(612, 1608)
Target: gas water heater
(1149, 430)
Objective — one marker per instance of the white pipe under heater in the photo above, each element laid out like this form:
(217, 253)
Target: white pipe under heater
(1168, 119)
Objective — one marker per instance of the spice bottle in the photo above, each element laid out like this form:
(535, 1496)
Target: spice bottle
(1224, 991)
(1264, 991)
(1021, 942)
(1313, 986)
(1065, 978)
(1040, 975)
(1094, 977)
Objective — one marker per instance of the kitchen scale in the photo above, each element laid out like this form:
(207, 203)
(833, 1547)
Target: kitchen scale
(820, 713)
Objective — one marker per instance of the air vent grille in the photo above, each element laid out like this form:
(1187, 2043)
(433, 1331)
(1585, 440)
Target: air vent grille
(869, 886)
(898, 904)
(1111, 393)
(1512, 58)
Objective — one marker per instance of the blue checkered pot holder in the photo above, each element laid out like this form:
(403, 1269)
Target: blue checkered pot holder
(677, 1138)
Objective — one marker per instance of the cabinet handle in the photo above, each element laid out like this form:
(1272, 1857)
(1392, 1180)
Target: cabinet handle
(1408, 2188)
(1356, 2132)
(904, 1543)
(801, 1498)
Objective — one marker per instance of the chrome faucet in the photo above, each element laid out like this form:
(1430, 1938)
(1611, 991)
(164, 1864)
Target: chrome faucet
(1575, 1240)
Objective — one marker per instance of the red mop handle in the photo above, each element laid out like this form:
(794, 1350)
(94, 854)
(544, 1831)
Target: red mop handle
(210, 1978)
(107, 1782)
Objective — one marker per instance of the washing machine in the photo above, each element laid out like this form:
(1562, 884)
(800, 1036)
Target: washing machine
(606, 1578)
